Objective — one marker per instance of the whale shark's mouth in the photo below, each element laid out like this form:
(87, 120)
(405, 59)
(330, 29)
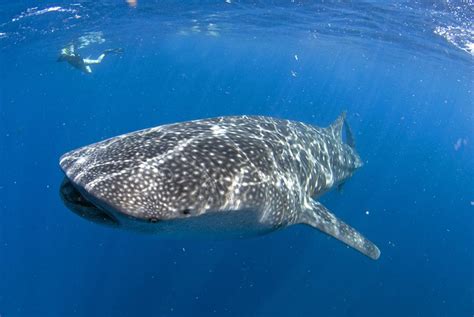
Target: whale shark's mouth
(76, 202)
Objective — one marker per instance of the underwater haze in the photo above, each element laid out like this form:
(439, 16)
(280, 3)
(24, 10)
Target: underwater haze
(402, 70)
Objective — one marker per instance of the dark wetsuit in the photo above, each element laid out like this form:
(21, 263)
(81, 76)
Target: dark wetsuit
(68, 54)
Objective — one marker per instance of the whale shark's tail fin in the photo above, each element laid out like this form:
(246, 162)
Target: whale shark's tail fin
(319, 217)
(336, 130)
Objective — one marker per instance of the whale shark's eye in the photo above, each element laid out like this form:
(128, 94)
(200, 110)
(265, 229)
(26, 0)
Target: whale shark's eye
(186, 211)
(153, 220)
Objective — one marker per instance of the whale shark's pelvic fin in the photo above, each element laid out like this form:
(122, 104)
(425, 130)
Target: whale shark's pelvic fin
(319, 217)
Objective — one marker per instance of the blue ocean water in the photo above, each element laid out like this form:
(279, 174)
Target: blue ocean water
(404, 73)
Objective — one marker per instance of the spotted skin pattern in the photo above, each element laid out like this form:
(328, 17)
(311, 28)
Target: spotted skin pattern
(269, 167)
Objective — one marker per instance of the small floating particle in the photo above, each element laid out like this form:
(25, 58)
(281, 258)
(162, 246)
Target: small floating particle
(367, 212)
(296, 57)
(293, 73)
(459, 143)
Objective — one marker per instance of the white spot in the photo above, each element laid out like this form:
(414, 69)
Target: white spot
(217, 130)
(296, 57)
(367, 212)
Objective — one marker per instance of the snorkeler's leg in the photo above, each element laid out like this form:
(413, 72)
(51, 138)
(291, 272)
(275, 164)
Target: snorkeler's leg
(87, 69)
(88, 61)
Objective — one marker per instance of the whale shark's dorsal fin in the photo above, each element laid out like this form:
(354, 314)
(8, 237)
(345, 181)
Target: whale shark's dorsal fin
(349, 136)
(336, 129)
(319, 217)
(336, 126)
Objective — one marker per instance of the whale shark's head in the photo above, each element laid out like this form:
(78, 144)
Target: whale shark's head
(180, 220)
(77, 203)
(139, 201)
(137, 184)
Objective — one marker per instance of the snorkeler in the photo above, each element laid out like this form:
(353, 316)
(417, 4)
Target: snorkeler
(69, 55)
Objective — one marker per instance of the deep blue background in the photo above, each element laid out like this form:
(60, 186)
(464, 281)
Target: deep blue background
(407, 107)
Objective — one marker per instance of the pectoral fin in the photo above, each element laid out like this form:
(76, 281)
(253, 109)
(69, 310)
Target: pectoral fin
(321, 218)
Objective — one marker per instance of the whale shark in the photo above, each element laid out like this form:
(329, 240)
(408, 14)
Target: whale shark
(232, 176)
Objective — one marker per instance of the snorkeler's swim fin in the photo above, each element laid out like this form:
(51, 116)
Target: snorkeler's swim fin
(114, 50)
